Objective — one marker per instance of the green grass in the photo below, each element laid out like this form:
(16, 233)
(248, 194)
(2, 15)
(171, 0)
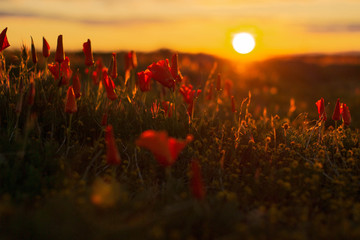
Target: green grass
(261, 182)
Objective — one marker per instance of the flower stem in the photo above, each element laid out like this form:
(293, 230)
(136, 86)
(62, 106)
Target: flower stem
(68, 132)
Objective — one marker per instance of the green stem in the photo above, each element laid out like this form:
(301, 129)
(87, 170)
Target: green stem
(68, 132)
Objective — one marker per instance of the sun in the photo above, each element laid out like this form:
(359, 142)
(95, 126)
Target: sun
(243, 42)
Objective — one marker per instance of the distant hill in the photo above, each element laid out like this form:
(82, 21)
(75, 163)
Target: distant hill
(272, 82)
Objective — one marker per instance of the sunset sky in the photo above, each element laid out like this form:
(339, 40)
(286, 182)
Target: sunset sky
(279, 26)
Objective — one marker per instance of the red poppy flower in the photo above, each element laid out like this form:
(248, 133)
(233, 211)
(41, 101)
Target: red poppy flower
(70, 105)
(46, 48)
(112, 152)
(144, 78)
(65, 71)
(54, 69)
(175, 72)
(76, 84)
(161, 73)
(337, 115)
(89, 60)
(33, 52)
(59, 55)
(321, 109)
(109, 85)
(165, 149)
(189, 94)
(113, 67)
(3, 40)
(345, 114)
(196, 183)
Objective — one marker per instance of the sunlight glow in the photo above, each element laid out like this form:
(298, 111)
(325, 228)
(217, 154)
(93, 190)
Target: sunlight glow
(243, 43)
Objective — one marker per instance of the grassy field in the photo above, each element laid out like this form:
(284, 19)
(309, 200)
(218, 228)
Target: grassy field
(229, 156)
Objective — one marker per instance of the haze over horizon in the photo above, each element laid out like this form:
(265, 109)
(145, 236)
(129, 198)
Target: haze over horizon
(279, 27)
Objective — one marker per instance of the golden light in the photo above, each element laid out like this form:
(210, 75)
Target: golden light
(243, 42)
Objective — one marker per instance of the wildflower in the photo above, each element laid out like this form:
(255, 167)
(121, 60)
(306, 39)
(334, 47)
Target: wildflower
(59, 55)
(337, 115)
(155, 109)
(174, 69)
(161, 73)
(54, 69)
(70, 105)
(76, 84)
(321, 109)
(144, 78)
(65, 71)
(46, 48)
(169, 108)
(89, 60)
(3, 40)
(112, 152)
(108, 84)
(197, 186)
(189, 94)
(345, 114)
(113, 67)
(33, 52)
(165, 149)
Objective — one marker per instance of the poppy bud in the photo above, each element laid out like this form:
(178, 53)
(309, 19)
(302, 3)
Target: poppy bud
(113, 67)
(70, 105)
(76, 84)
(144, 78)
(3, 40)
(112, 152)
(59, 55)
(33, 52)
(89, 59)
(46, 48)
(337, 115)
(346, 115)
(321, 109)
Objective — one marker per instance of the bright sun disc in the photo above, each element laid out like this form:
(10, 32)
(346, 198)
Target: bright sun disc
(243, 43)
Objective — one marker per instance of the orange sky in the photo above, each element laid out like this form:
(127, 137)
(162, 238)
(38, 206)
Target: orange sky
(279, 26)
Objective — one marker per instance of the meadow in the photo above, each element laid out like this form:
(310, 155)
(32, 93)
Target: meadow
(135, 146)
